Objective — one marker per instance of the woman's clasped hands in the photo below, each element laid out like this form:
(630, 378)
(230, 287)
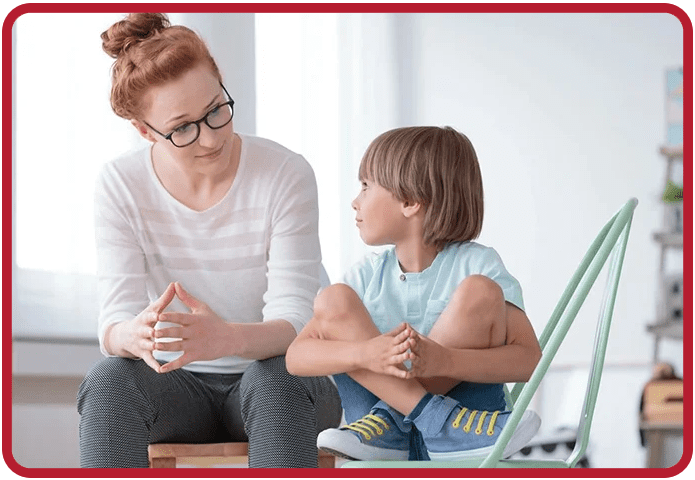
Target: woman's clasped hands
(200, 334)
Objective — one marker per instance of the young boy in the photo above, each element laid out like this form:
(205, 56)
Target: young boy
(436, 300)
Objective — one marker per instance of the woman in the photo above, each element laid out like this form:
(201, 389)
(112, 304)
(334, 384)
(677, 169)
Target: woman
(208, 262)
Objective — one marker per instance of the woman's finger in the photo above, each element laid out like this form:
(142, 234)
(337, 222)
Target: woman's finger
(164, 300)
(176, 346)
(175, 364)
(147, 332)
(189, 300)
(150, 360)
(148, 318)
(169, 332)
(146, 345)
(175, 317)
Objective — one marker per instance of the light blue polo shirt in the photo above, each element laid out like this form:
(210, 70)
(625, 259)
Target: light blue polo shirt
(392, 296)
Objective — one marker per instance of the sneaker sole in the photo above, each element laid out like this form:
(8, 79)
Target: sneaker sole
(526, 429)
(351, 448)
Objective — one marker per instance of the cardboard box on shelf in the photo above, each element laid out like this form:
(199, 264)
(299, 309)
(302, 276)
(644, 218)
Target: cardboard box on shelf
(663, 401)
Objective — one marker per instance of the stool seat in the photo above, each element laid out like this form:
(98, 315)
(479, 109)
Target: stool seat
(165, 455)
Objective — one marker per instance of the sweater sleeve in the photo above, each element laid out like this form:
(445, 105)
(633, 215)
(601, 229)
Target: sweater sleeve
(121, 267)
(294, 255)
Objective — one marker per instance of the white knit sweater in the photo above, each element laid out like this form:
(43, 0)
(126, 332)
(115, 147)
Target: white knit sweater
(254, 256)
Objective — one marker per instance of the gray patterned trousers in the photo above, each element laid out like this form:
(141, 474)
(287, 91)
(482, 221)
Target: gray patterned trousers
(124, 405)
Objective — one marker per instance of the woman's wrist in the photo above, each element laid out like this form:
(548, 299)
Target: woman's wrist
(112, 343)
(230, 340)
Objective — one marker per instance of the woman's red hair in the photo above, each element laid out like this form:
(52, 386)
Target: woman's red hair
(149, 52)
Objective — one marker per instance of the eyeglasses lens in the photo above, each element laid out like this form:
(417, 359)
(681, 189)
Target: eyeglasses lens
(217, 118)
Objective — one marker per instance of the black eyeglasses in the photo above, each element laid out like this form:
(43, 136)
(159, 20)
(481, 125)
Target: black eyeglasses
(188, 133)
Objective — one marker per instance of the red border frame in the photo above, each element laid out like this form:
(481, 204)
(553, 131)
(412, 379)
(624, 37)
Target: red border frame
(7, 213)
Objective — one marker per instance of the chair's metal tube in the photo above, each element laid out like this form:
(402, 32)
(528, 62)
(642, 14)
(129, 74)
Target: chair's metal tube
(580, 291)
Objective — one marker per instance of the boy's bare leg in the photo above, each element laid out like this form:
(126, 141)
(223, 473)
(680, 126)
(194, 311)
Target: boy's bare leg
(474, 318)
(339, 314)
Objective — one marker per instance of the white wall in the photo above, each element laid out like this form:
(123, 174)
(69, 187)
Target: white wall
(230, 38)
(567, 112)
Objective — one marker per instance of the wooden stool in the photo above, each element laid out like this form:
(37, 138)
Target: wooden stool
(164, 455)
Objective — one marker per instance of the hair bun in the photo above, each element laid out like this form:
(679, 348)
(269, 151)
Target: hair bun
(135, 28)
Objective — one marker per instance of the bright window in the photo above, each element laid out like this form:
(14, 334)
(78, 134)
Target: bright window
(65, 131)
(297, 102)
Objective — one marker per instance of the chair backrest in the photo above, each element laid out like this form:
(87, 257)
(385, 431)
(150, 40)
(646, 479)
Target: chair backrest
(612, 239)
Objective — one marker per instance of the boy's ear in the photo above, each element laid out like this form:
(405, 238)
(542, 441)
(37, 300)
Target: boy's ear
(142, 130)
(410, 208)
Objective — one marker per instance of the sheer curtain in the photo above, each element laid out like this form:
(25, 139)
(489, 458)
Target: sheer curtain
(327, 84)
(64, 130)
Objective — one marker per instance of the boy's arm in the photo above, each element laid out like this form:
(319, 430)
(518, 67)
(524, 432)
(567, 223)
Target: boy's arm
(513, 362)
(311, 355)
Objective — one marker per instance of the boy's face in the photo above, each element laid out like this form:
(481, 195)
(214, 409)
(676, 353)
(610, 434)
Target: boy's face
(379, 215)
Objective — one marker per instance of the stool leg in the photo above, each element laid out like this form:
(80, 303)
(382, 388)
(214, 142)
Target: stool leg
(326, 461)
(164, 462)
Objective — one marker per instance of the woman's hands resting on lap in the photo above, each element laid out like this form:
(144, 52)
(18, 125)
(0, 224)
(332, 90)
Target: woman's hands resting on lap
(200, 334)
(135, 338)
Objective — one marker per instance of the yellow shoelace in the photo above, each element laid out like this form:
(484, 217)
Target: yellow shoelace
(368, 426)
(471, 418)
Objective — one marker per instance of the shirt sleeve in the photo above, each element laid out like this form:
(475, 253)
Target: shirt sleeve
(121, 267)
(294, 256)
(491, 265)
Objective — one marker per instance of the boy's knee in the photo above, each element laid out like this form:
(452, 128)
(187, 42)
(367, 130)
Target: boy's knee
(482, 300)
(479, 290)
(335, 301)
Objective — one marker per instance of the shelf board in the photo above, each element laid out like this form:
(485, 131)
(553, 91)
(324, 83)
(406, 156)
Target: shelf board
(667, 330)
(672, 151)
(669, 239)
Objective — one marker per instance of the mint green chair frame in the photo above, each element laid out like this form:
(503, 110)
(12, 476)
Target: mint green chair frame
(612, 239)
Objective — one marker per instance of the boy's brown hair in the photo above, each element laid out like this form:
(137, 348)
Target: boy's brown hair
(436, 167)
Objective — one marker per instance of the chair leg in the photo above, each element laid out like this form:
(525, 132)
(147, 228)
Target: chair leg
(163, 462)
